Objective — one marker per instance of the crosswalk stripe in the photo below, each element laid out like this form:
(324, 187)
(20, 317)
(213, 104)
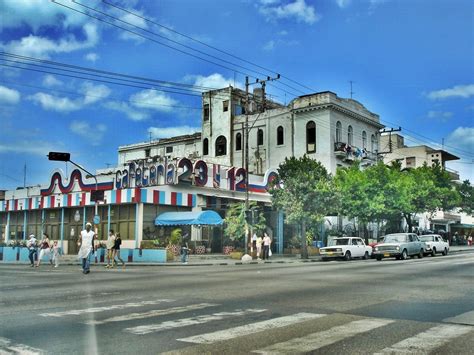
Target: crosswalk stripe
(251, 328)
(146, 329)
(77, 312)
(427, 341)
(465, 318)
(318, 340)
(7, 347)
(152, 313)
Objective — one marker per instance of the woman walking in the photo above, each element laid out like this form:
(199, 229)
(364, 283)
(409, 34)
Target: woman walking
(55, 251)
(110, 250)
(45, 250)
(118, 242)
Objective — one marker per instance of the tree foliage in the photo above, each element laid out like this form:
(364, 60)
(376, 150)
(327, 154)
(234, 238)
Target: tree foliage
(236, 224)
(466, 197)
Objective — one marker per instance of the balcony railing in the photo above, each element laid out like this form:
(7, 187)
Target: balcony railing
(351, 153)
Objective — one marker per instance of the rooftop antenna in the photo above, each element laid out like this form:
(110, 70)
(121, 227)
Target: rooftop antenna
(351, 92)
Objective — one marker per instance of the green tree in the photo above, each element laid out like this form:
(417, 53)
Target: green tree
(466, 195)
(305, 193)
(236, 224)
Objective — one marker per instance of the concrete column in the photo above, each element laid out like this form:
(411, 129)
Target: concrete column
(42, 221)
(84, 218)
(25, 219)
(108, 219)
(280, 220)
(61, 230)
(138, 224)
(7, 228)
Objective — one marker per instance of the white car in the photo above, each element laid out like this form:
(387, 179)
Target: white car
(346, 248)
(435, 244)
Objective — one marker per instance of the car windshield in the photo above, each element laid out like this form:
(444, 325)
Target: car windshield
(426, 238)
(395, 238)
(339, 241)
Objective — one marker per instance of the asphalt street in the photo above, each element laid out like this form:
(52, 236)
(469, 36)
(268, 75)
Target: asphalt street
(417, 306)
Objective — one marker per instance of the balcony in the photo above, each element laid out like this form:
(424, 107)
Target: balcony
(349, 154)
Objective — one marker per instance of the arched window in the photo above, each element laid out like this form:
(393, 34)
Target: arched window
(364, 140)
(205, 146)
(373, 144)
(280, 135)
(260, 137)
(238, 141)
(221, 146)
(338, 132)
(310, 137)
(350, 134)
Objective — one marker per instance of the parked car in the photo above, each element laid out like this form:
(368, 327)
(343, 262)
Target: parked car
(400, 246)
(346, 248)
(435, 244)
(374, 244)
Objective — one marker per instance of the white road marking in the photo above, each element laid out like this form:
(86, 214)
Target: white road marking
(318, 340)
(145, 329)
(152, 313)
(427, 341)
(252, 328)
(78, 312)
(465, 318)
(7, 347)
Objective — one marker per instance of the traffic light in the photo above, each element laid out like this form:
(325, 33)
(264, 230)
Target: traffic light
(59, 156)
(97, 195)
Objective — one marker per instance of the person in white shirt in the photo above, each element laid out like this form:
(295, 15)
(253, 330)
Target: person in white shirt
(32, 248)
(55, 250)
(110, 249)
(86, 241)
(267, 241)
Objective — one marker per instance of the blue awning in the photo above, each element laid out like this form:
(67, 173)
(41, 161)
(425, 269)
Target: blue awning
(202, 218)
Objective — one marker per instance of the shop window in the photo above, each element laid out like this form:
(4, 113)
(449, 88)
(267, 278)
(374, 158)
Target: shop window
(238, 141)
(338, 132)
(205, 146)
(260, 137)
(169, 150)
(221, 146)
(206, 112)
(225, 105)
(280, 135)
(310, 137)
(350, 135)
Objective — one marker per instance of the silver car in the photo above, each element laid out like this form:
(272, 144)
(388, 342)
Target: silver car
(400, 246)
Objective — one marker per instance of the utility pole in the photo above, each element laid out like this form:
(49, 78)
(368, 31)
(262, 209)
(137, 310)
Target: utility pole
(351, 92)
(24, 176)
(247, 130)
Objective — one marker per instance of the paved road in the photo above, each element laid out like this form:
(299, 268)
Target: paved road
(358, 307)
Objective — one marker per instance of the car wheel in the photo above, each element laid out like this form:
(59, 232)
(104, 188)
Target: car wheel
(379, 258)
(433, 252)
(347, 256)
(420, 254)
(445, 252)
(366, 255)
(404, 255)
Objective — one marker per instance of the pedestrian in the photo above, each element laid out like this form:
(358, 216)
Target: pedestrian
(32, 249)
(254, 242)
(55, 253)
(259, 246)
(86, 240)
(266, 246)
(118, 242)
(184, 252)
(110, 249)
(45, 250)
(469, 240)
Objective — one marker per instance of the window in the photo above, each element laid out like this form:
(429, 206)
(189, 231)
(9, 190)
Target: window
(147, 152)
(221, 146)
(260, 137)
(364, 140)
(169, 149)
(238, 141)
(354, 241)
(280, 135)
(338, 132)
(205, 146)
(310, 137)
(225, 105)
(350, 135)
(206, 112)
(373, 143)
(410, 162)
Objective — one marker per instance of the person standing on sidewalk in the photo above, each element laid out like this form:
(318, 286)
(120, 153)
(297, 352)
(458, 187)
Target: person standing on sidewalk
(45, 250)
(266, 245)
(184, 252)
(32, 249)
(118, 242)
(259, 246)
(55, 252)
(110, 249)
(86, 240)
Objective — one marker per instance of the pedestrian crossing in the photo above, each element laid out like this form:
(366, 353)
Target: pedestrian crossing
(160, 317)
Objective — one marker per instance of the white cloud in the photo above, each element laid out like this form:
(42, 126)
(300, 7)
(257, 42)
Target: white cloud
(168, 132)
(154, 100)
(462, 138)
(125, 108)
(135, 21)
(298, 9)
(28, 147)
(343, 3)
(269, 46)
(90, 133)
(43, 47)
(93, 93)
(9, 96)
(283, 33)
(55, 103)
(440, 115)
(463, 91)
(91, 57)
(50, 80)
(213, 81)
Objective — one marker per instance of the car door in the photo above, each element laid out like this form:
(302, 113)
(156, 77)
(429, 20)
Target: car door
(356, 248)
(417, 244)
(412, 245)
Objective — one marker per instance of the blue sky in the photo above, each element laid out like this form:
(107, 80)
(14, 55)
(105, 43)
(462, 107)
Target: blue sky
(411, 62)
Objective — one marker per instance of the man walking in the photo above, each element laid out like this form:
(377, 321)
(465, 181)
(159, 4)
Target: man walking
(86, 241)
(266, 246)
(32, 251)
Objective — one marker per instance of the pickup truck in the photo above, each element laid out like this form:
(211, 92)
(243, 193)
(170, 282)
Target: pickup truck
(346, 248)
(435, 244)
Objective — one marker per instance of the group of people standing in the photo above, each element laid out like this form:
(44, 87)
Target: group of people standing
(46, 249)
(262, 245)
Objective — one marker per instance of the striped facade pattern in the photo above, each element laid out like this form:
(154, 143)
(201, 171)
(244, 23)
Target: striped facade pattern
(115, 197)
